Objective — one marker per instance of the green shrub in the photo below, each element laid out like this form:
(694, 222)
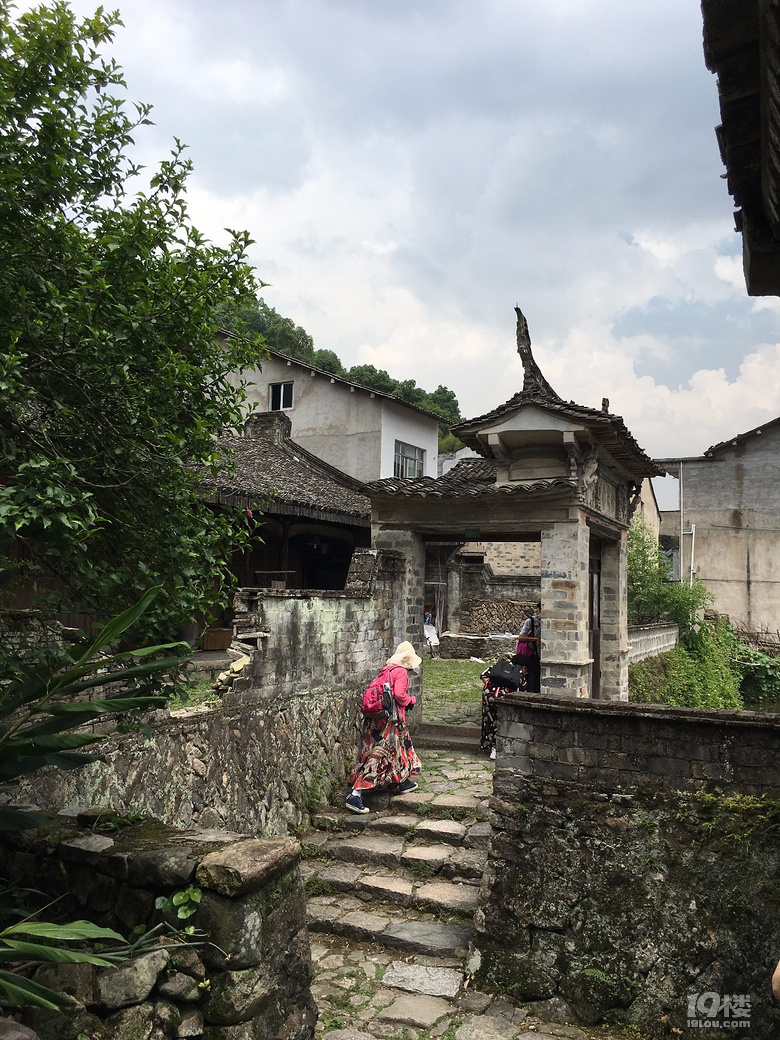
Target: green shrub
(652, 595)
(701, 676)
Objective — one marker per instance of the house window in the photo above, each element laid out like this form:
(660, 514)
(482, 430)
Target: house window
(281, 396)
(409, 461)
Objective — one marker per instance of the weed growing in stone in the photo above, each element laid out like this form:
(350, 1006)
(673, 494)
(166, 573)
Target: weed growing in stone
(315, 789)
(317, 886)
(330, 1022)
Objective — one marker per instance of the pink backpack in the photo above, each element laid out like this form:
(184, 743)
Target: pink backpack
(378, 698)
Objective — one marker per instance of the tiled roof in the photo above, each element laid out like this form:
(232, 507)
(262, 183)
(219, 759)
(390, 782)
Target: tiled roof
(268, 463)
(608, 430)
(471, 477)
(733, 442)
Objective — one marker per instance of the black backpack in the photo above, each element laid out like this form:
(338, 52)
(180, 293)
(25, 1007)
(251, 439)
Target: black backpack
(504, 673)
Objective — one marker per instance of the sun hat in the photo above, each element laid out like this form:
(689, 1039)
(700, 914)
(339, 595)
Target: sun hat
(405, 656)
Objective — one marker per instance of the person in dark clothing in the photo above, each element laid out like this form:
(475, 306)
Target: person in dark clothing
(528, 652)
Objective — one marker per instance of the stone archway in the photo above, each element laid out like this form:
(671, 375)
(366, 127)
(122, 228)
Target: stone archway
(548, 468)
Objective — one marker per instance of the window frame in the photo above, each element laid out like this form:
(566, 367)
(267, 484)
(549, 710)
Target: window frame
(406, 456)
(281, 387)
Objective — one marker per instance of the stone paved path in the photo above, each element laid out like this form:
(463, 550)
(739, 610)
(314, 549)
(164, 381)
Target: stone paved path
(390, 902)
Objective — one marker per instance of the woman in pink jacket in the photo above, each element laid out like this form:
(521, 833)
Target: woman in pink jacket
(386, 756)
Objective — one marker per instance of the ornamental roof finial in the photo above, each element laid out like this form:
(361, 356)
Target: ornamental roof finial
(533, 380)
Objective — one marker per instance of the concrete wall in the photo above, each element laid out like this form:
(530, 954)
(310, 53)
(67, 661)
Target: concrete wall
(403, 424)
(350, 428)
(650, 640)
(633, 862)
(733, 499)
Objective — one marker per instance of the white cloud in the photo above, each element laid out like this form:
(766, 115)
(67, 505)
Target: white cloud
(411, 169)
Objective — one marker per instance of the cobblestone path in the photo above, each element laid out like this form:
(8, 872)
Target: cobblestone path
(391, 897)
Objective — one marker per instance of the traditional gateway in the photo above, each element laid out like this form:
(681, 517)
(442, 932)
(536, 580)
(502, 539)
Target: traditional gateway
(553, 472)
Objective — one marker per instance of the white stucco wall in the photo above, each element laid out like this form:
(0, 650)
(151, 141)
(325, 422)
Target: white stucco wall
(403, 424)
(348, 427)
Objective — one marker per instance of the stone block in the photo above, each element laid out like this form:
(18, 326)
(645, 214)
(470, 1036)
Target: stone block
(382, 887)
(428, 981)
(131, 983)
(172, 866)
(233, 926)
(521, 764)
(237, 996)
(518, 731)
(180, 987)
(247, 865)
(449, 831)
(416, 1011)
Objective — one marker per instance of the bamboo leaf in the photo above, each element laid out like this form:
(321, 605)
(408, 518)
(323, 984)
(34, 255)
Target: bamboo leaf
(18, 950)
(21, 992)
(73, 931)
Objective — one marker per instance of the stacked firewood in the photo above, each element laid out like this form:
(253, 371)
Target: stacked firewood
(482, 617)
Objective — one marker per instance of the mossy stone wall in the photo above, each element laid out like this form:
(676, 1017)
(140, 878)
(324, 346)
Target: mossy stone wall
(634, 861)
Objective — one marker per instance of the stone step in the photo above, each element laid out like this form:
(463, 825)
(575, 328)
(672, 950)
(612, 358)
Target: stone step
(457, 896)
(441, 735)
(410, 932)
(426, 804)
(410, 857)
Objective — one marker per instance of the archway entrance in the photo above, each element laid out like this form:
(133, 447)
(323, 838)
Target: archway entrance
(547, 470)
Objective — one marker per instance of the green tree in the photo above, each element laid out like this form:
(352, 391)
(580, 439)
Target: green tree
(328, 361)
(277, 332)
(372, 377)
(112, 382)
(652, 595)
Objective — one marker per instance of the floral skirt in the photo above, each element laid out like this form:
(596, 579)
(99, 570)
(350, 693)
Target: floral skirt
(386, 755)
(490, 693)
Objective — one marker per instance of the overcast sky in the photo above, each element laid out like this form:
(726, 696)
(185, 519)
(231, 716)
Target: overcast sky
(412, 169)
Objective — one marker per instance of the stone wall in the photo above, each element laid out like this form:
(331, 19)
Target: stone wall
(250, 980)
(316, 641)
(512, 557)
(633, 860)
(462, 647)
(491, 616)
(285, 734)
(650, 640)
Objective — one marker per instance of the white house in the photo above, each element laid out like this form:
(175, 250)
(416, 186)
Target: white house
(366, 433)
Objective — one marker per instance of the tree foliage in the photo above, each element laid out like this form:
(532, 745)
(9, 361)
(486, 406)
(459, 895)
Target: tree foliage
(284, 335)
(701, 676)
(112, 382)
(652, 595)
(698, 673)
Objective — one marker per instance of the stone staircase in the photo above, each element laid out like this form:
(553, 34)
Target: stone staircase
(406, 877)
(391, 898)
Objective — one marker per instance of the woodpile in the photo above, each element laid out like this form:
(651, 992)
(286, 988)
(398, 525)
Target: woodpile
(483, 617)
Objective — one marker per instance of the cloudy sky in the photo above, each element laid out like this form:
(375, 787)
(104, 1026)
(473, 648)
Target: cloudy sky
(412, 169)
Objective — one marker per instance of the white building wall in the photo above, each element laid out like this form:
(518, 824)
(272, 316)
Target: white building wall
(348, 427)
(403, 424)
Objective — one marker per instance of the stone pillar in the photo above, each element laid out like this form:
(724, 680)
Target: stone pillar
(614, 620)
(410, 605)
(565, 655)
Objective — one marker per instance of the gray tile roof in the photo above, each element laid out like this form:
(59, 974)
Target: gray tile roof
(470, 477)
(609, 431)
(267, 463)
